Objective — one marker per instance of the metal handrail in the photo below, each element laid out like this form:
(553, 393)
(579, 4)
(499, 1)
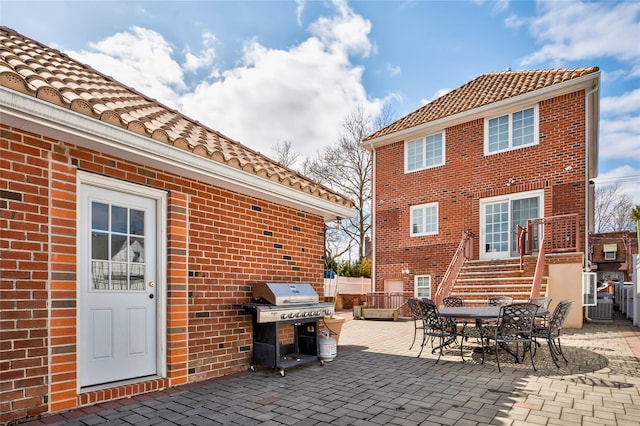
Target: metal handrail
(463, 252)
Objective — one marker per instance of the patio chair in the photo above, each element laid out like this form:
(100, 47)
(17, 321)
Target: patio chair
(515, 326)
(453, 302)
(551, 333)
(437, 328)
(500, 301)
(417, 314)
(543, 303)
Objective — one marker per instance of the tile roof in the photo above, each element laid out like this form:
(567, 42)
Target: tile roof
(484, 90)
(50, 75)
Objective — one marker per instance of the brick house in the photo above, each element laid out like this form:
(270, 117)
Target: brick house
(129, 229)
(612, 255)
(501, 149)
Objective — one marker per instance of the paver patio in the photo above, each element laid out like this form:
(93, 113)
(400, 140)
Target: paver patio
(376, 379)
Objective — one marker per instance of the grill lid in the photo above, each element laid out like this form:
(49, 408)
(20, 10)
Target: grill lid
(285, 294)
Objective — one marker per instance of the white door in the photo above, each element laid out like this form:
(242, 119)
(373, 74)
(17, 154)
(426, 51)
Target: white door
(117, 291)
(499, 220)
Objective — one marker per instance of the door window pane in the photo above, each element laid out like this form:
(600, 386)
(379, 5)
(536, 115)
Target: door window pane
(521, 212)
(136, 223)
(99, 216)
(118, 219)
(117, 248)
(497, 227)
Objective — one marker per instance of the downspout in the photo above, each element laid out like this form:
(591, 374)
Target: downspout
(373, 218)
(587, 264)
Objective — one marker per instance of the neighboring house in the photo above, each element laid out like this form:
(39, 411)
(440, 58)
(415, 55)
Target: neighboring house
(612, 255)
(483, 158)
(129, 235)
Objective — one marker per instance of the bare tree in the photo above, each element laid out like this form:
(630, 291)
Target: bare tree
(613, 209)
(284, 153)
(346, 168)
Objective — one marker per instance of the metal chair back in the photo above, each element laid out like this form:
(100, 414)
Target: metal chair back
(453, 302)
(542, 302)
(500, 301)
(551, 333)
(558, 317)
(515, 326)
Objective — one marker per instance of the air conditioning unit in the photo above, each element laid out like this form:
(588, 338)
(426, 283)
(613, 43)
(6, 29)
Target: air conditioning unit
(603, 311)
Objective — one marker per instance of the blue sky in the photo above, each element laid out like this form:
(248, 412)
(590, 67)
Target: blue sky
(263, 72)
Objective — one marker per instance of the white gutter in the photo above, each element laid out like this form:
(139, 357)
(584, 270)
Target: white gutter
(53, 121)
(373, 218)
(462, 117)
(587, 172)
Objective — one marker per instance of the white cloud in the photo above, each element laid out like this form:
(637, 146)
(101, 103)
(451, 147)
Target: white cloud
(301, 94)
(626, 103)
(514, 21)
(393, 70)
(620, 128)
(627, 177)
(620, 138)
(141, 59)
(572, 31)
(439, 93)
(299, 11)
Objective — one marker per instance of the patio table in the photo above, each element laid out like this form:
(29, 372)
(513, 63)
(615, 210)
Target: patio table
(480, 313)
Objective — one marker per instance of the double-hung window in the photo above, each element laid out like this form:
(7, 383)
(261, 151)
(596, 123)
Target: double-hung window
(511, 131)
(424, 153)
(424, 219)
(422, 286)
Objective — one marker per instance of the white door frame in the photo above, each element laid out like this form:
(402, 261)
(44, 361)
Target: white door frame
(505, 198)
(84, 178)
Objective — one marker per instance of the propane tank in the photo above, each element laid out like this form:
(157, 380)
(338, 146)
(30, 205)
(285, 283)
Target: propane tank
(328, 347)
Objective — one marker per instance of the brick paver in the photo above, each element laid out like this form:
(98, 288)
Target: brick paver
(377, 380)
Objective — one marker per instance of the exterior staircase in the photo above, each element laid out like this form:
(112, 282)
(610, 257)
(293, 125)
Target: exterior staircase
(480, 279)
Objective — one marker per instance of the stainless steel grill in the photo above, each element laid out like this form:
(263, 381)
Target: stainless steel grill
(277, 305)
(275, 302)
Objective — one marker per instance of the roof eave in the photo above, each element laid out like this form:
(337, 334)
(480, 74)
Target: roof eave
(50, 120)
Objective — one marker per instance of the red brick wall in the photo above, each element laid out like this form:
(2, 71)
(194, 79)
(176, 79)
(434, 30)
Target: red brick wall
(469, 176)
(219, 243)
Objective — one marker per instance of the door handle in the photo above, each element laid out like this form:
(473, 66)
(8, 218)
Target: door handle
(152, 283)
(151, 296)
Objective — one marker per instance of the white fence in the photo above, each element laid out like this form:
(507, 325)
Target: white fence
(347, 285)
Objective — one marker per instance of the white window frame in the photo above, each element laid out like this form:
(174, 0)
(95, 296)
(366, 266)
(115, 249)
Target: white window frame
(424, 208)
(610, 255)
(510, 147)
(505, 198)
(416, 287)
(423, 142)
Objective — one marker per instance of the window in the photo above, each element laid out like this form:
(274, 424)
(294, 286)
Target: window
(511, 131)
(424, 219)
(499, 220)
(610, 251)
(425, 152)
(422, 284)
